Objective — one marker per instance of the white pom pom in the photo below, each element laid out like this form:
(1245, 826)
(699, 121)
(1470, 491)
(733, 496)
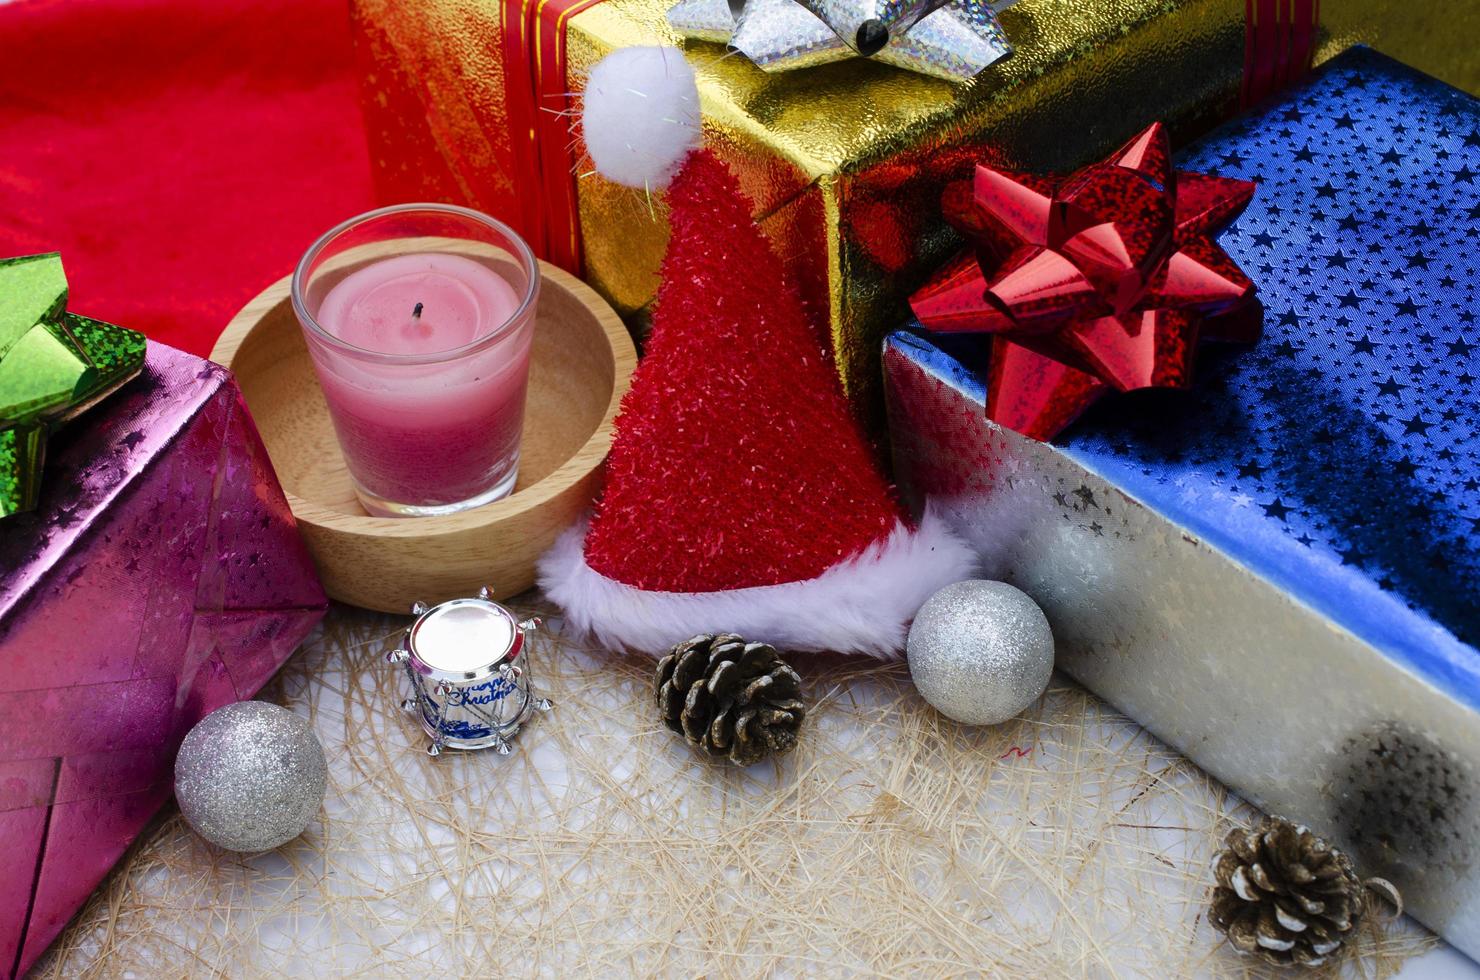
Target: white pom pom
(640, 115)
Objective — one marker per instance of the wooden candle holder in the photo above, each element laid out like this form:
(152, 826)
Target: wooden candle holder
(581, 365)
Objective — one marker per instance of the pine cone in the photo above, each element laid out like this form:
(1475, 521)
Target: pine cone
(730, 698)
(1285, 894)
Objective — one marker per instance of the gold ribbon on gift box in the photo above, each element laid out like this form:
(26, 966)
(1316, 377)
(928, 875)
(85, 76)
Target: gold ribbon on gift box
(470, 101)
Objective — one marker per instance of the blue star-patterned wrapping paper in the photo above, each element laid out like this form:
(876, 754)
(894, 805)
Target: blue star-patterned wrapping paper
(1339, 457)
(1342, 452)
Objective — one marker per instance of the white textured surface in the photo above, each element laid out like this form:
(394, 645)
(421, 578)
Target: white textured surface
(1066, 843)
(1444, 963)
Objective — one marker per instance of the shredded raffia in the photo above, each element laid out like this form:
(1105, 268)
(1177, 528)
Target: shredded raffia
(891, 841)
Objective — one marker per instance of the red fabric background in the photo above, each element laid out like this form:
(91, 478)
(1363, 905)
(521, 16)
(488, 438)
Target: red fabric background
(180, 154)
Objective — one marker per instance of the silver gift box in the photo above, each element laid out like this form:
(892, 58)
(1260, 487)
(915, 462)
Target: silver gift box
(1302, 716)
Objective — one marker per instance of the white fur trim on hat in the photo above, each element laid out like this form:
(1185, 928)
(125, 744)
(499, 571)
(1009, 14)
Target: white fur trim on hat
(863, 605)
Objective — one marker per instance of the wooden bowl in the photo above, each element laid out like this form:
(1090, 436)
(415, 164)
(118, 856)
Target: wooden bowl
(581, 365)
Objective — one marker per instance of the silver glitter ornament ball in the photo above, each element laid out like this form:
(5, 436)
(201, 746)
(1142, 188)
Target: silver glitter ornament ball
(980, 652)
(250, 776)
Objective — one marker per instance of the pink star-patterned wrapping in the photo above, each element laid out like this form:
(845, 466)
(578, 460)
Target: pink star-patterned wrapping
(161, 577)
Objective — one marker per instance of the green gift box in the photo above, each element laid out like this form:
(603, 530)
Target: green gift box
(53, 366)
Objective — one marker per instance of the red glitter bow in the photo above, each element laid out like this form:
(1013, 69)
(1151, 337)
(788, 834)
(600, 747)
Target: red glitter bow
(1103, 279)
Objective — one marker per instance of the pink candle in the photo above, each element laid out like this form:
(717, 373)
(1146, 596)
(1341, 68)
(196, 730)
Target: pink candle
(423, 358)
(418, 304)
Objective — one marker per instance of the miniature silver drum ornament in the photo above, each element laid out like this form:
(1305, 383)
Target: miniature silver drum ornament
(470, 683)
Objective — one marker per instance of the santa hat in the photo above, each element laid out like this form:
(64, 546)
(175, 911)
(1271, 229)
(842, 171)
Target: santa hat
(741, 495)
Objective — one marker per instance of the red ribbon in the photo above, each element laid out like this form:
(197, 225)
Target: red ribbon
(542, 126)
(1279, 39)
(1102, 280)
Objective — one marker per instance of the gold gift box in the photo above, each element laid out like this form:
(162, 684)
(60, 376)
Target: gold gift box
(843, 162)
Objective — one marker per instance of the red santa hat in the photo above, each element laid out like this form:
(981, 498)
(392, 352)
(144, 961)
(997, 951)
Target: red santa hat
(741, 495)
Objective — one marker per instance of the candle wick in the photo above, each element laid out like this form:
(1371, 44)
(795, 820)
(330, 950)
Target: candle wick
(416, 312)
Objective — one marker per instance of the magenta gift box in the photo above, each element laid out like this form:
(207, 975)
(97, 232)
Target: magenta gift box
(161, 577)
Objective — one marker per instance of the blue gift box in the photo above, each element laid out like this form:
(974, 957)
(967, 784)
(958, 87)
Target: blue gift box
(1278, 572)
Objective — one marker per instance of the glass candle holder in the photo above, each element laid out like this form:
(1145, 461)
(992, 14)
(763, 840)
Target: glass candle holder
(419, 320)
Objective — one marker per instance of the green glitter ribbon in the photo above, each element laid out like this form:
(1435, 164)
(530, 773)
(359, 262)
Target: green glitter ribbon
(53, 366)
